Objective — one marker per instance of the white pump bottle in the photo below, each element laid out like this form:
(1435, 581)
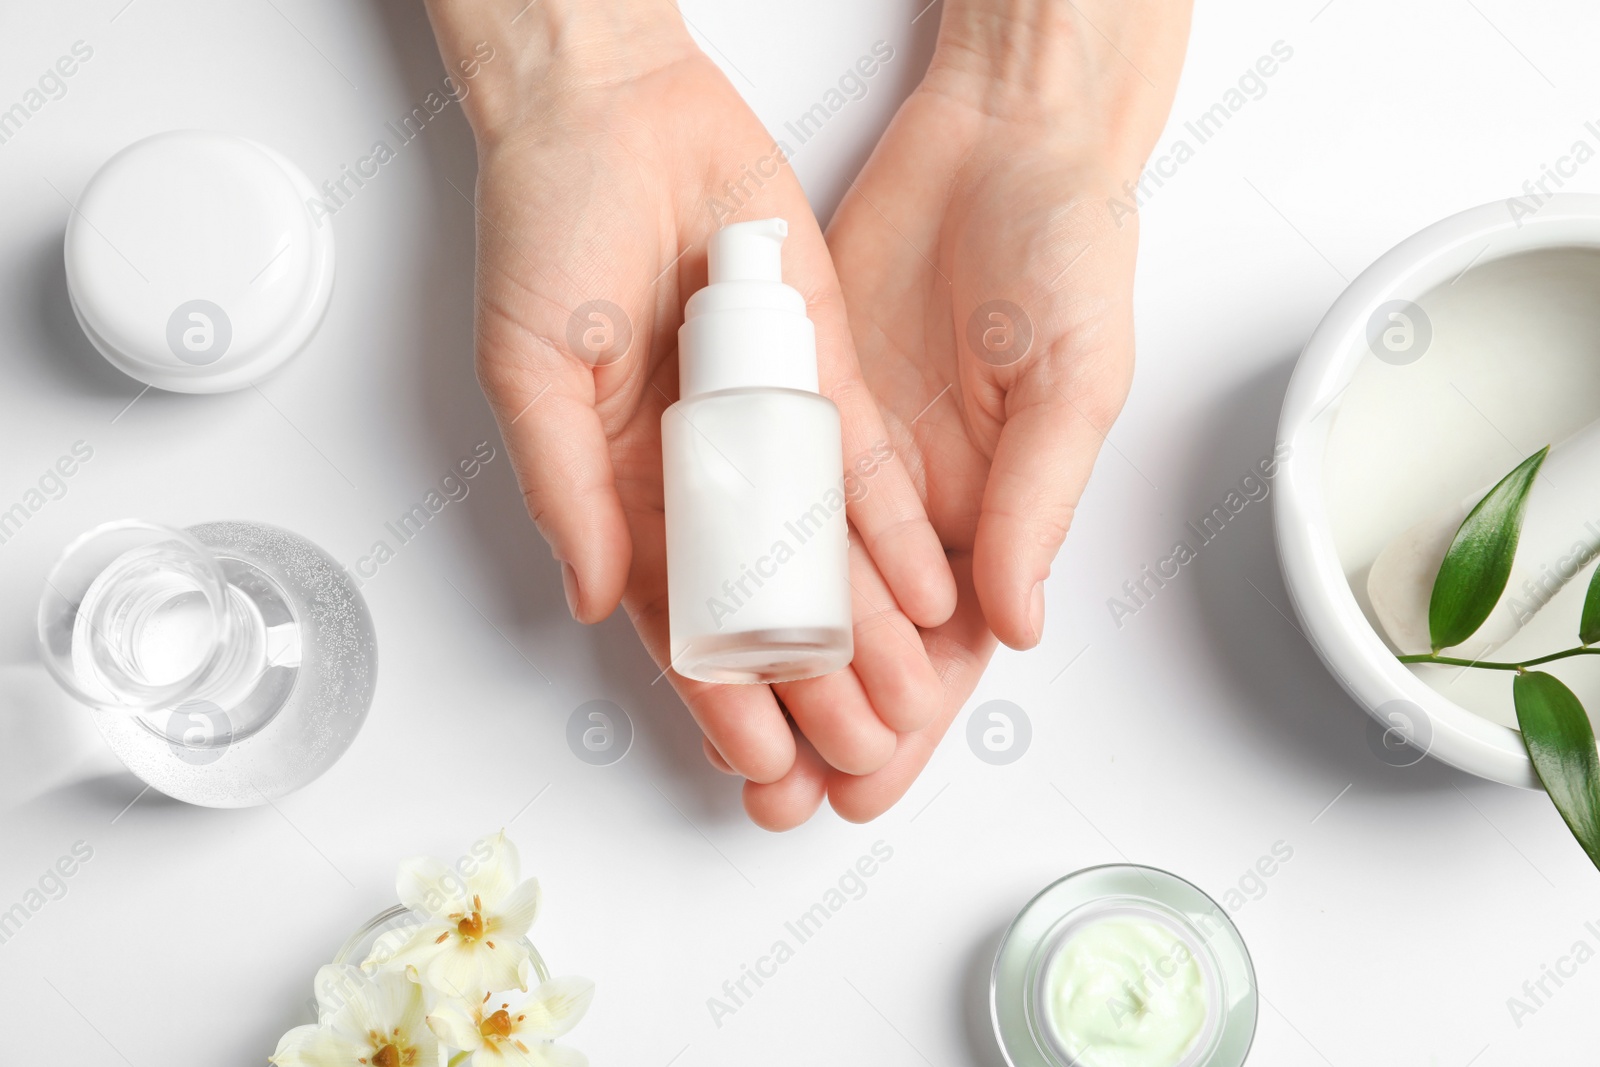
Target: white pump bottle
(757, 544)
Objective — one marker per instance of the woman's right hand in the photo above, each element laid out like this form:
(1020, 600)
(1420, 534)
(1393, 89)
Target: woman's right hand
(610, 148)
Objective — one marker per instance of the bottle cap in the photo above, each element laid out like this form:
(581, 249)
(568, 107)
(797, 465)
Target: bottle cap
(746, 329)
(193, 262)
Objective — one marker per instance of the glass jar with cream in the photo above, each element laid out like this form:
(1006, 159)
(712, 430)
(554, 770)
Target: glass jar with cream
(1123, 966)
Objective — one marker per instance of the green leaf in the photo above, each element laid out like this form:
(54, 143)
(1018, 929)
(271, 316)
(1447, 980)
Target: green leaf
(1589, 623)
(1560, 741)
(1475, 569)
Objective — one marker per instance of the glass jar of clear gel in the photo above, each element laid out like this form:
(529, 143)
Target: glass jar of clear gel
(1123, 966)
(226, 665)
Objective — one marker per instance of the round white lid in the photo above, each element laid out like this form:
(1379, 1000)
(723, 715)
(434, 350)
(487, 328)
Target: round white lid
(193, 262)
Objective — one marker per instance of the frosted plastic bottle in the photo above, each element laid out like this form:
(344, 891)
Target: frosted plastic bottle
(757, 543)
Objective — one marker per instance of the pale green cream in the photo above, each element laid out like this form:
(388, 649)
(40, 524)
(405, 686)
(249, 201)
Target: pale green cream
(1125, 991)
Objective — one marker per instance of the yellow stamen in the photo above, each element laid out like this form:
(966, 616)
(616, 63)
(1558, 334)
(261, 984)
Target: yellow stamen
(496, 1026)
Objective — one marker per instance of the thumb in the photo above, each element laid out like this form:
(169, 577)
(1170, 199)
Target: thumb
(544, 403)
(1041, 463)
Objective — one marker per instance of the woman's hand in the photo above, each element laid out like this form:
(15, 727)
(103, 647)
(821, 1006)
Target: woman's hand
(989, 277)
(610, 149)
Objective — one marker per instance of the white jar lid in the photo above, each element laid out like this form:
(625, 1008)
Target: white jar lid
(194, 264)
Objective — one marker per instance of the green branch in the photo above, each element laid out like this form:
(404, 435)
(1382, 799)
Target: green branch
(1492, 665)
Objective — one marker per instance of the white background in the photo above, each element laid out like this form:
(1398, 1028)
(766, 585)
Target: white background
(1193, 738)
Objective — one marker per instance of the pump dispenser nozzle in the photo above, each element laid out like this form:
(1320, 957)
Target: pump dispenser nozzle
(746, 329)
(748, 252)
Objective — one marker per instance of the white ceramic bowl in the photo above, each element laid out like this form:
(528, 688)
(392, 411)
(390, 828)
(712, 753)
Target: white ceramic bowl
(1317, 579)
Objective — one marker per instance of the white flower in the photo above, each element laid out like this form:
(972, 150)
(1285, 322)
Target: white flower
(517, 1037)
(472, 940)
(366, 1021)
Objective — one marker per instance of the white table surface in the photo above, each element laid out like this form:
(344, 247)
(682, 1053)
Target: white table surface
(1195, 737)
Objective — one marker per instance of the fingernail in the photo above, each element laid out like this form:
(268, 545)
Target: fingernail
(1036, 611)
(569, 583)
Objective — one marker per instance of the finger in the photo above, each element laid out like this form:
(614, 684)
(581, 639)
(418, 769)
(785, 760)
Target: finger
(714, 757)
(959, 649)
(562, 460)
(742, 722)
(890, 659)
(544, 386)
(1041, 463)
(837, 718)
(884, 506)
(883, 502)
(790, 801)
(851, 715)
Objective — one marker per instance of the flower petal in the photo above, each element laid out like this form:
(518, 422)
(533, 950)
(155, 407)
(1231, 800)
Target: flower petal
(426, 885)
(412, 1018)
(455, 973)
(541, 1054)
(388, 945)
(334, 985)
(389, 1002)
(516, 912)
(564, 1056)
(509, 970)
(313, 1046)
(499, 867)
(490, 1056)
(527, 974)
(429, 1051)
(422, 944)
(456, 1024)
(555, 1007)
(468, 970)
